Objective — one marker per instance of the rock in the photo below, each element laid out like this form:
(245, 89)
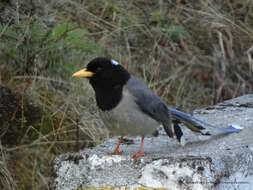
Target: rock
(206, 162)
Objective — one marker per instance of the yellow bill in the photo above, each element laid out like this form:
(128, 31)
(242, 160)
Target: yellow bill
(83, 74)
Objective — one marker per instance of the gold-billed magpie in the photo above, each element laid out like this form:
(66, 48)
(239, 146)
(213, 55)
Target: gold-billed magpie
(129, 108)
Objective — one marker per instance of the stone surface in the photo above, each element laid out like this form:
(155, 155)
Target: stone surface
(205, 162)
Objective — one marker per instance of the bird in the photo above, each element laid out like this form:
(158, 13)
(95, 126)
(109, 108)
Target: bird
(128, 107)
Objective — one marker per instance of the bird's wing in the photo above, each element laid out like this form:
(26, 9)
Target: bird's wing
(150, 103)
(154, 106)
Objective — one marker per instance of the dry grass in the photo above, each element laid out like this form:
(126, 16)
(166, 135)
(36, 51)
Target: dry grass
(68, 122)
(192, 53)
(177, 47)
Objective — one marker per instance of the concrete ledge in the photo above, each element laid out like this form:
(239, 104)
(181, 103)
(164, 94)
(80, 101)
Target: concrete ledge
(214, 162)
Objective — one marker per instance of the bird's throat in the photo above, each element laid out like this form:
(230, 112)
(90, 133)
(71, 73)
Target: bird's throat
(108, 98)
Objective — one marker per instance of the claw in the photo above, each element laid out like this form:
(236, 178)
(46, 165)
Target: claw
(139, 153)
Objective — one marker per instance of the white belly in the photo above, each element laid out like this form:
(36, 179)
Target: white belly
(126, 119)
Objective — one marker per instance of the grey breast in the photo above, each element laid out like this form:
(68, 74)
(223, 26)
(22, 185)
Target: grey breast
(127, 118)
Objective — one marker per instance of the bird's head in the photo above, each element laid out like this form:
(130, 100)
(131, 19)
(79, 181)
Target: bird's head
(104, 73)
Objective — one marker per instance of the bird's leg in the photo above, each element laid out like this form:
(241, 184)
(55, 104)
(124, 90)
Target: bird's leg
(139, 153)
(116, 151)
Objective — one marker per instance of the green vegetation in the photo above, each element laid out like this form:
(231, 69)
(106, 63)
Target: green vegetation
(58, 49)
(193, 54)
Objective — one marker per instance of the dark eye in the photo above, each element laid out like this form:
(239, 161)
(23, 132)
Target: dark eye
(98, 69)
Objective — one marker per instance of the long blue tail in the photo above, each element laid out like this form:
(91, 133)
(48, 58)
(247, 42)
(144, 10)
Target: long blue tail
(198, 125)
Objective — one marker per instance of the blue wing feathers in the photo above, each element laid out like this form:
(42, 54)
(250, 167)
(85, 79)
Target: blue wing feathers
(153, 105)
(201, 124)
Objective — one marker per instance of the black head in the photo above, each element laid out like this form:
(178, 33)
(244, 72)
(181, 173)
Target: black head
(107, 78)
(107, 73)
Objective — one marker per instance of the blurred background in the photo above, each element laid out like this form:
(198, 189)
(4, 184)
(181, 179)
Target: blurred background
(193, 53)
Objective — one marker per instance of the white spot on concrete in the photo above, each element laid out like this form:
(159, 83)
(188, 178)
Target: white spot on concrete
(72, 173)
(104, 161)
(180, 176)
(183, 141)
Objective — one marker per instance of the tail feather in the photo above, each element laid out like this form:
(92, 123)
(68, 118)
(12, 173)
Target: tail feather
(178, 132)
(198, 125)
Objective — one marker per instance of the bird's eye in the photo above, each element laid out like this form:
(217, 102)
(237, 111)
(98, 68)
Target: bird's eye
(98, 69)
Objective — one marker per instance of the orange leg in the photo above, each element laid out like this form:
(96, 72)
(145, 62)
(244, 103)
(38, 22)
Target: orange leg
(139, 153)
(116, 151)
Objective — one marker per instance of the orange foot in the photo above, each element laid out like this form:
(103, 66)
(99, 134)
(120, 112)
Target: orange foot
(137, 155)
(116, 151)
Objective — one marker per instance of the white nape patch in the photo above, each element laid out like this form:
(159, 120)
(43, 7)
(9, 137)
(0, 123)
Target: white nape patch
(114, 62)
